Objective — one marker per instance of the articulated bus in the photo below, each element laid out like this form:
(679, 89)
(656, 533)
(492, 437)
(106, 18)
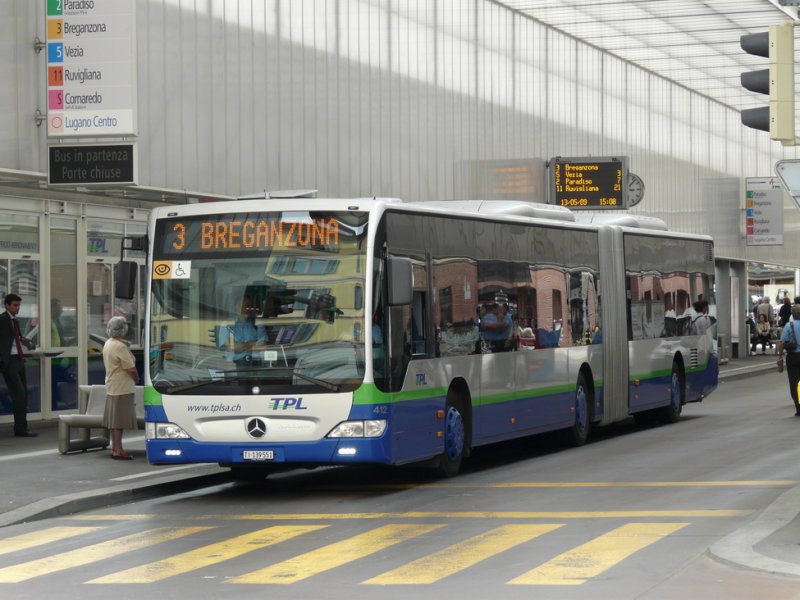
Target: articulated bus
(378, 331)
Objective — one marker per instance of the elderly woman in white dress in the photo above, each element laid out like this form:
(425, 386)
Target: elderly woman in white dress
(121, 379)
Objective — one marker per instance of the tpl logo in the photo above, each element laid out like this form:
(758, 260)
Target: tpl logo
(421, 380)
(287, 403)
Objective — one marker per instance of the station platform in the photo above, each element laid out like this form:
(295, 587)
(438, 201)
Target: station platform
(41, 483)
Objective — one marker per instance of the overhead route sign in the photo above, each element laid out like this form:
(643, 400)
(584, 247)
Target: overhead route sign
(764, 211)
(589, 182)
(91, 68)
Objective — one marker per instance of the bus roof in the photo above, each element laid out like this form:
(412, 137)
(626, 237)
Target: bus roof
(499, 208)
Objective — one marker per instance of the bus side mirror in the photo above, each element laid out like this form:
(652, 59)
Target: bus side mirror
(125, 279)
(400, 280)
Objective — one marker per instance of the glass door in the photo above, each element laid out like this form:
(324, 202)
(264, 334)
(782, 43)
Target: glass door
(104, 251)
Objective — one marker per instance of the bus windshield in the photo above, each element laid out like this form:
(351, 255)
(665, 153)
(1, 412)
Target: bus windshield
(268, 301)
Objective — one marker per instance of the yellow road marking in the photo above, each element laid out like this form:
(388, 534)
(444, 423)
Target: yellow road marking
(93, 553)
(334, 555)
(592, 558)
(599, 484)
(137, 517)
(608, 514)
(207, 555)
(455, 558)
(40, 538)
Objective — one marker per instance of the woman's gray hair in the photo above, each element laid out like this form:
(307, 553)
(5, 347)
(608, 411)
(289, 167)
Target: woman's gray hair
(117, 327)
(796, 311)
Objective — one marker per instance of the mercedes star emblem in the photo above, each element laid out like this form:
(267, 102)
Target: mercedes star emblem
(256, 428)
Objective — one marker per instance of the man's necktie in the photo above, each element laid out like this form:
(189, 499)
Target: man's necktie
(17, 339)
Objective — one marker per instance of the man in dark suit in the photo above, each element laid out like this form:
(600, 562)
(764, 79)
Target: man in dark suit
(12, 364)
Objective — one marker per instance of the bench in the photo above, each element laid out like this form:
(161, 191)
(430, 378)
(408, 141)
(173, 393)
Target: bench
(91, 405)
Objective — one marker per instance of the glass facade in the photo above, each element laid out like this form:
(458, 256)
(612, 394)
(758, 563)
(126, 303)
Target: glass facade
(44, 258)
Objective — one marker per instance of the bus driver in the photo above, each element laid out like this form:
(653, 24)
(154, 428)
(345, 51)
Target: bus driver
(239, 338)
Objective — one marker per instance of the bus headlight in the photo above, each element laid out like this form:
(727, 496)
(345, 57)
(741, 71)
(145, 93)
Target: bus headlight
(164, 431)
(374, 428)
(355, 429)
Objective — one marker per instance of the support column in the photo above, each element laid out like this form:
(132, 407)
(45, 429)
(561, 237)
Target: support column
(796, 284)
(722, 283)
(739, 273)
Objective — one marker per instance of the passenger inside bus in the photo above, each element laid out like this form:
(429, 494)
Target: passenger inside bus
(496, 327)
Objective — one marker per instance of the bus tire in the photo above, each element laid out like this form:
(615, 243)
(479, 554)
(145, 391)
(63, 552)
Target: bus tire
(677, 395)
(454, 437)
(578, 434)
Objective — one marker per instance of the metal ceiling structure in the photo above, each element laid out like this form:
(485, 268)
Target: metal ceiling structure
(694, 43)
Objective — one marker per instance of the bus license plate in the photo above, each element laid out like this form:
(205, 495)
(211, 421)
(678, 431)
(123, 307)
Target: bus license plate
(258, 455)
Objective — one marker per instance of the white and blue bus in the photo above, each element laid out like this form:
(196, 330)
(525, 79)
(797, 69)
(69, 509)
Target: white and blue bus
(378, 331)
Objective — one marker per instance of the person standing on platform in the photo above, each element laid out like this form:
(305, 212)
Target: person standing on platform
(785, 312)
(791, 336)
(12, 364)
(121, 380)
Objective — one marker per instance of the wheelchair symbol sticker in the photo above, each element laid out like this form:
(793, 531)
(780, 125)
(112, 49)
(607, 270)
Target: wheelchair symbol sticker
(172, 269)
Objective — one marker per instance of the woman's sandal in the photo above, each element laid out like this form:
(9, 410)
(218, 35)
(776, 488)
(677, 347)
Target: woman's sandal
(121, 456)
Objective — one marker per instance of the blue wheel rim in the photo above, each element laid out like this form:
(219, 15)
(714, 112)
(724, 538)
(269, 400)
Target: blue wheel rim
(675, 395)
(581, 409)
(454, 434)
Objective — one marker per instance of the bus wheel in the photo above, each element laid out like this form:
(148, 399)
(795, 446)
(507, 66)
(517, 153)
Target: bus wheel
(677, 393)
(454, 438)
(578, 434)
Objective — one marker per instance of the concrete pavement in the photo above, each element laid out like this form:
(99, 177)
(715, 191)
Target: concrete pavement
(40, 483)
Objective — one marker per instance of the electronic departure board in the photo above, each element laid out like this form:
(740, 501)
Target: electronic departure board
(241, 234)
(589, 182)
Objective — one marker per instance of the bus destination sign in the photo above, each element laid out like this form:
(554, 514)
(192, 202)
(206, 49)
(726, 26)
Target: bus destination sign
(244, 233)
(589, 183)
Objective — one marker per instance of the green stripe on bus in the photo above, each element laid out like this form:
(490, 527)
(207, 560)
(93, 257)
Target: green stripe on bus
(151, 396)
(369, 394)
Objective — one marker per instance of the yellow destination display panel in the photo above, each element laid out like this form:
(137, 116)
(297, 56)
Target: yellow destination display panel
(589, 183)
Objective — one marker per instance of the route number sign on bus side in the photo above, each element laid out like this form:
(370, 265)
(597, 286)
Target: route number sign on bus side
(589, 182)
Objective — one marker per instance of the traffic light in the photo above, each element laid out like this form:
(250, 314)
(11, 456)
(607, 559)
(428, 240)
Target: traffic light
(777, 44)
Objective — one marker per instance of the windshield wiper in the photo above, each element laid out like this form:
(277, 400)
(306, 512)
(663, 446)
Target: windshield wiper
(164, 387)
(320, 382)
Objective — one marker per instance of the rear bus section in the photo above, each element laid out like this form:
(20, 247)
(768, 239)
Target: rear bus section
(672, 317)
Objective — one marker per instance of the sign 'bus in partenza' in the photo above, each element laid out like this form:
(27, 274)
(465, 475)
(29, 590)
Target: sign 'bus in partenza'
(589, 182)
(86, 164)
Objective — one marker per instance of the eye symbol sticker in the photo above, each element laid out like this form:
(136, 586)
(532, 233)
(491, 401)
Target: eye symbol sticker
(162, 269)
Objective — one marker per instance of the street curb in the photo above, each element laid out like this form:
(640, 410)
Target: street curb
(68, 504)
(742, 372)
(738, 548)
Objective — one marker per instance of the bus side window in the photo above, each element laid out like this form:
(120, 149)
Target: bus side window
(416, 328)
